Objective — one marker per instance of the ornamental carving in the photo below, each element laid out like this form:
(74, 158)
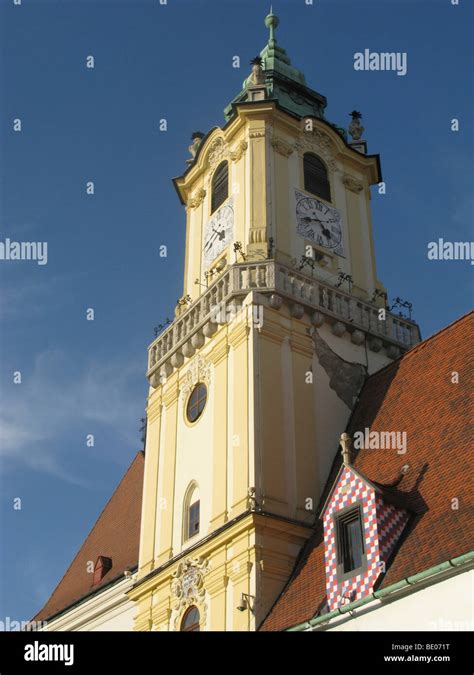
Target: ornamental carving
(352, 183)
(197, 198)
(218, 151)
(320, 143)
(199, 371)
(238, 151)
(187, 587)
(281, 146)
(257, 134)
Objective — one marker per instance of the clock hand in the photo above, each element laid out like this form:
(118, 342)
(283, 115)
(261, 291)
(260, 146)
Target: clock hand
(211, 240)
(308, 219)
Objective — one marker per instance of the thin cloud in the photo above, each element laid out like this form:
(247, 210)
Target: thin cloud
(60, 396)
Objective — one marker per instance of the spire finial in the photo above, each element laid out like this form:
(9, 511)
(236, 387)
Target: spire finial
(271, 22)
(345, 442)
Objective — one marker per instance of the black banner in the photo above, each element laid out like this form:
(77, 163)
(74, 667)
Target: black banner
(321, 651)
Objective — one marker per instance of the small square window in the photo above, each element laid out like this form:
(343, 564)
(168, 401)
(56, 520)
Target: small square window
(351, 557)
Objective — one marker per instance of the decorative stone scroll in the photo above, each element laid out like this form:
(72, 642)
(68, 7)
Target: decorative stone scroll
(352, 183)
(187, 587)
(320, 143)
(236, 153)
(281, 146)
(199, 371)
(218, 151)
(221, 150)
(197, 198)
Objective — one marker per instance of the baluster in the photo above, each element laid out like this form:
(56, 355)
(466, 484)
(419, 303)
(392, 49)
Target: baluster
(322, 296)
(347, 312)
(375, 325)
(330, 301)
(395, 329)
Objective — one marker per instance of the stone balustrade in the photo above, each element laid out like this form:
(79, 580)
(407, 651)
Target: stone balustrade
(304, 294)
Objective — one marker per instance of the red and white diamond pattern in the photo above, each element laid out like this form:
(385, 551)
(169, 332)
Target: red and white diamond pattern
(390, 523)
(382, 523)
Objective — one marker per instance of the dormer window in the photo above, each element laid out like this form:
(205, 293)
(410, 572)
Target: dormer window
(220, 186)
(316, 178)
(102, 566)
(361, 529)
(350, 542)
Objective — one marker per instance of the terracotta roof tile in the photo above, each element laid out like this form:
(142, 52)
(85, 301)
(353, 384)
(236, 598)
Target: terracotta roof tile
(116, 535)
(414, 394)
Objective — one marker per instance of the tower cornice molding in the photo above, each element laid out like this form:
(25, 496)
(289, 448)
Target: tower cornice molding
(154, 410)
(219, 352)
(171, 392)
(268, 112)
(238, 335)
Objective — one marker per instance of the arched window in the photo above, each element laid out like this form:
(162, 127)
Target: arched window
(192, 509)
(190, 622)
(316, 177)
(220, 186)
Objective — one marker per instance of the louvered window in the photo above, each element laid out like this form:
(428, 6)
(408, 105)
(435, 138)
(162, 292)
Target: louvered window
(316, 177)
(220, 186)
(350, 542)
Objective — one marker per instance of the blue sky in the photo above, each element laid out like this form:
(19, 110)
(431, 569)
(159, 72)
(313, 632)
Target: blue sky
(175, 62)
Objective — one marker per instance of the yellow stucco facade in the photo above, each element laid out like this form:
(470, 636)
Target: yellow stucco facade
(260, 452)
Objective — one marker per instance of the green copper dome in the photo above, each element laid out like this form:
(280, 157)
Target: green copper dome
(284, 83)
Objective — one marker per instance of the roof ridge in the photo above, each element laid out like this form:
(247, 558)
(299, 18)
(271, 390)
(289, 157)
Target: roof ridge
(140, 452)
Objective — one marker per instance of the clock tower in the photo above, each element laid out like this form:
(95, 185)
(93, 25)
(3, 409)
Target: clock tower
(281, 319)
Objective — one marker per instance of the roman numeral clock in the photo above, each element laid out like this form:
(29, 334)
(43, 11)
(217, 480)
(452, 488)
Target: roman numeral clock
(319, 223)
(219, 232)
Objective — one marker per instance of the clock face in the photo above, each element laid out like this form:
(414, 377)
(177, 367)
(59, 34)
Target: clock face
(219, 232)
(319, 223)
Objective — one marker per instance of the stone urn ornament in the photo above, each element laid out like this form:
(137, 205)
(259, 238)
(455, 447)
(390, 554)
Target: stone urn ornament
(257, 76)
(196, 138)
(355, 127)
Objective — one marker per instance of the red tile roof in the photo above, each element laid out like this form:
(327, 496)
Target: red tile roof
(414, 394)
(115, 535)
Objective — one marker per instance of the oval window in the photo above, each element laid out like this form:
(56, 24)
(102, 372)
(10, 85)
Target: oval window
(196, 402)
